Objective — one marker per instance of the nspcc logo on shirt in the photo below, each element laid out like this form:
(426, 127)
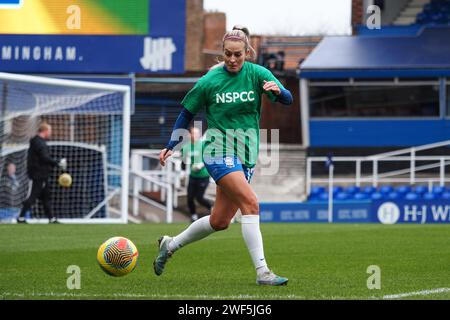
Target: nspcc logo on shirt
(232, 97)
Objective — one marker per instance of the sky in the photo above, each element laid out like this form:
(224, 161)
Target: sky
(286, 17)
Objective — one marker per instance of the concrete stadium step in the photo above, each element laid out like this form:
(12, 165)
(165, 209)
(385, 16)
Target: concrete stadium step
(150, 213)
(401, 21)
(408, 15)
(418, 3)
(411, 12)
(288, 182)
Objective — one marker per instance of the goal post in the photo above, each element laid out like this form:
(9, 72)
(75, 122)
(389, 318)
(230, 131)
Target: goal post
(90, 128)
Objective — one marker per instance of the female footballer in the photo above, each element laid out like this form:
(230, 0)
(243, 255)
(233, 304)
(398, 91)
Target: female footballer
(231, 97)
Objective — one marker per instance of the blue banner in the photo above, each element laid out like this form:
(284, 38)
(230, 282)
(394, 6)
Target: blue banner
(354, 212)
(91, 54)
(161, 51)
(416, 212)
(385, 212)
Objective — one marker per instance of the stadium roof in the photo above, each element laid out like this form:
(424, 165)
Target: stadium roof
(426, 54)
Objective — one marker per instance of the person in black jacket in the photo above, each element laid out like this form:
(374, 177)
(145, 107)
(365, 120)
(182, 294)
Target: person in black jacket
(39, 166)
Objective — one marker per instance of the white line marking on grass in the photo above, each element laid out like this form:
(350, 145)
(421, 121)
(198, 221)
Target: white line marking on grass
(143, 295)
(416, 293)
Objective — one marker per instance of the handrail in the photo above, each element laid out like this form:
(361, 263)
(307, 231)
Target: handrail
(159, 178)
(363, 159)
(392, 156)
(405, 171)
(409, 150)
(163, 185)
(389, 154)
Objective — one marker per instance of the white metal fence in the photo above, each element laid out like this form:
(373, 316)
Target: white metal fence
(375, 176)
(147, 175)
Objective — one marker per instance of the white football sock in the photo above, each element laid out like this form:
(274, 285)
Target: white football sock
(253, 239)
(197, 230)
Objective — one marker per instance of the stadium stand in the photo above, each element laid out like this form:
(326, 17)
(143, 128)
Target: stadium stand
(387, 192)
(436, 12)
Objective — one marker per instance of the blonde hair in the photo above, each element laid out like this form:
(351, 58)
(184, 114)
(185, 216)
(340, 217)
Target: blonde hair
(240, 34)
(242, 28)
(43, 126)
(245, 38)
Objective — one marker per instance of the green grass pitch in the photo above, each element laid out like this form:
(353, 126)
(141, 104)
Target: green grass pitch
(322, 261)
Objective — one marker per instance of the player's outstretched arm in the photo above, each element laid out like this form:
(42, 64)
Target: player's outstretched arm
(182, 122)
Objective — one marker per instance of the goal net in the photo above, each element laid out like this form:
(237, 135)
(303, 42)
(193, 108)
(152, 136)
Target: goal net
(90, 128)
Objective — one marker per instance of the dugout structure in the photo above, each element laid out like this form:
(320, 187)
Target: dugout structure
(90, 128)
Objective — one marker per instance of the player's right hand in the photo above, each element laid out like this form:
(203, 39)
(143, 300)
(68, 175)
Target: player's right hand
(163, 155)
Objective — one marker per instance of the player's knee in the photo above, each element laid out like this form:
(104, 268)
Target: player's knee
(250, 204)
(219, 225)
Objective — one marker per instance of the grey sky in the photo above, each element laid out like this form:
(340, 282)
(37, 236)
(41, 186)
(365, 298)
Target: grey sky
(287, 17)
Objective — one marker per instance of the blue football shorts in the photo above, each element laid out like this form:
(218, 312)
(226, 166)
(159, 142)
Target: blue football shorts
(220, 166)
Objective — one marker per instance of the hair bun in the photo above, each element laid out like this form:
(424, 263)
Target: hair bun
(243, 29)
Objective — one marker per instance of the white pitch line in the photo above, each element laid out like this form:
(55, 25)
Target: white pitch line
(138, 295)
(214, 297)
(416, 293)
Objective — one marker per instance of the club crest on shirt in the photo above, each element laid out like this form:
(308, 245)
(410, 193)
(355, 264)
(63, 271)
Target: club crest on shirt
(229, 162)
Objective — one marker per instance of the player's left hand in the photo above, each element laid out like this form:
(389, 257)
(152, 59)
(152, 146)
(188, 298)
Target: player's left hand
(271, 86)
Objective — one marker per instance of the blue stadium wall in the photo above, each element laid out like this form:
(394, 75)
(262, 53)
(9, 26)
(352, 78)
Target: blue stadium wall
(415, 52)
(377, 133)
(386, 212)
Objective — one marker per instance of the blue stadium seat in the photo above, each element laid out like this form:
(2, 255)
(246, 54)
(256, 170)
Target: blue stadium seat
(438, 189)
(316, 190)
(337, 189)
(404, 189)
(352, 189)
(323, 196)
(369, 189)
(393, 195)
(360, 196)
(422, 18)
(429, 196)
(421, 189)
(342, 196)
(386, 189)
(438, 18)
(445, 195)
(411, 196)
(377, 196)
